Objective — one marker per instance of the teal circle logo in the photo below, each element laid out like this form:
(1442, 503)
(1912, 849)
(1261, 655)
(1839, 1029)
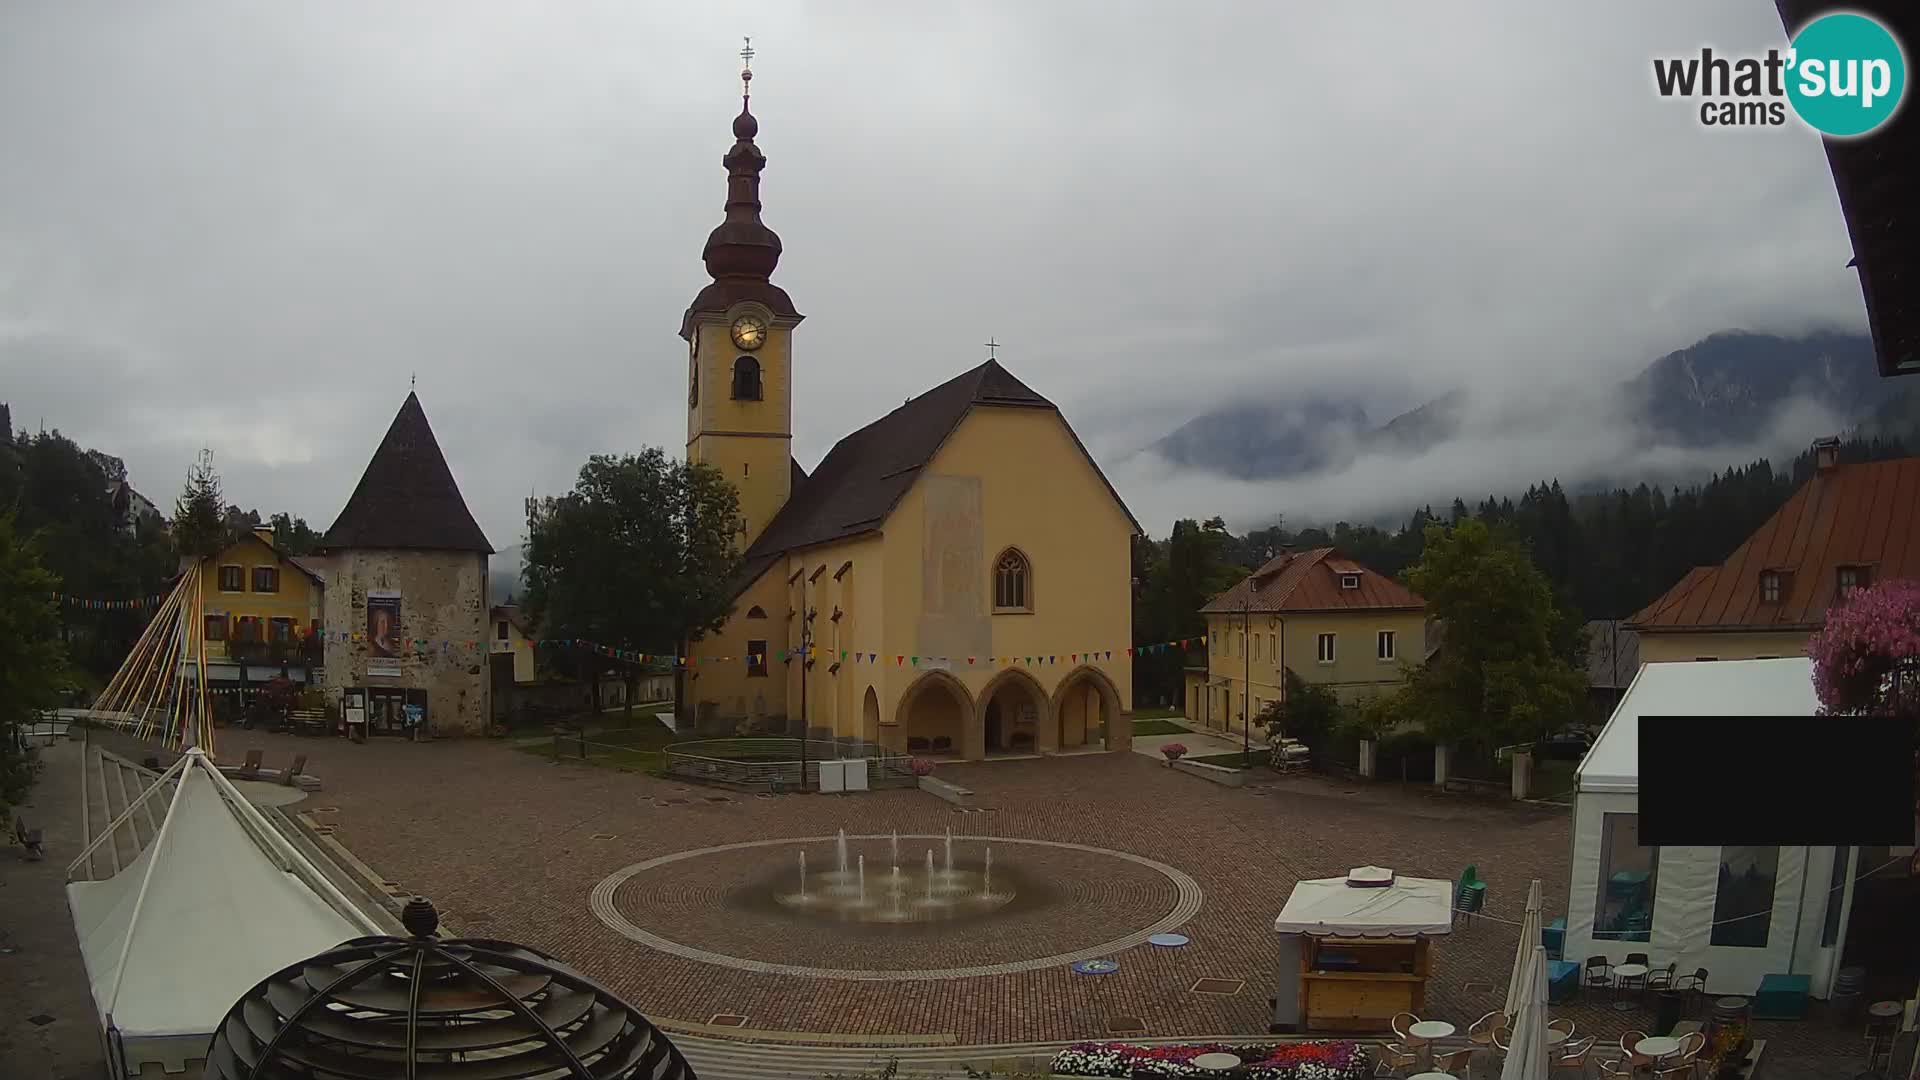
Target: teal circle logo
(1847, 74)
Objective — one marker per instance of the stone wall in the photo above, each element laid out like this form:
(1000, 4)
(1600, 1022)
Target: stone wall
(443, 598)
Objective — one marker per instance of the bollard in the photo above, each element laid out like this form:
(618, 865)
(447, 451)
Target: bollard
(583, 746)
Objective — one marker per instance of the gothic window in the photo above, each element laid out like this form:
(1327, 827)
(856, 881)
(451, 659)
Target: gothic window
(756, 612)
(746, 379)
(1012, 583)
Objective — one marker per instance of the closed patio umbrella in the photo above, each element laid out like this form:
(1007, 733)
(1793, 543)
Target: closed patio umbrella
(1527, 1050)
(1529, 938)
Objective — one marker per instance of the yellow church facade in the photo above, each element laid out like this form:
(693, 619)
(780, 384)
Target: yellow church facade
(954, 579)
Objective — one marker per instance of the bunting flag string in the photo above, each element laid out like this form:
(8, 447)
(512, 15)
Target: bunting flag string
(99, 604)
(899, 660)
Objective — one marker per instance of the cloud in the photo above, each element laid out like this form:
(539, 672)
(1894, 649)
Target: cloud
(257, 223)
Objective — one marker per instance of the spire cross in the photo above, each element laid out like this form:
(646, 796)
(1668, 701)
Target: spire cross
(746, 66)
(992, 345)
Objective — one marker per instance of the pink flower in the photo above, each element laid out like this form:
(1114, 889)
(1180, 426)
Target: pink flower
(1173, 750)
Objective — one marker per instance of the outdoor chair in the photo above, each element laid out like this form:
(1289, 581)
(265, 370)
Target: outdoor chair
(1502, 1040)
(1695, 987)
(1480, 1032)
(293, 771)
(1630, 1046)
(1454, 1062)
(917, 744)
(1631, 983)
(1401, 1024)
(1562, 1025)
(1599, 975)
(1573, 1055)
(1662, 978)
(251, 770)
(1395, 1059)
(942, 744)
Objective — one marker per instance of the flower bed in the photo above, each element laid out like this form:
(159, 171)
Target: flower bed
(1312, 1060)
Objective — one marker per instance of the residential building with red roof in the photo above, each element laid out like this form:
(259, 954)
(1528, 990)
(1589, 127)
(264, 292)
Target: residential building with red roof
(1317, 613)
(1847, 527)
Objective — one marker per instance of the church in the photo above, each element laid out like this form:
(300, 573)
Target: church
(952, 580)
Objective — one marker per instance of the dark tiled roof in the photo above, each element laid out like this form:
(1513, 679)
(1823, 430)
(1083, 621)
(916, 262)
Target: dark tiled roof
(1310, 581)
(865, 475)
(1876, 177)
(407, 497)
(1613, 654)
(1849, 515)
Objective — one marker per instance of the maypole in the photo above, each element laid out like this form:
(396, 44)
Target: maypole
(166, 672)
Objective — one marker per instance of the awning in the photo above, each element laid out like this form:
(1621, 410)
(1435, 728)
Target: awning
(1692, 688)
(1410, 907)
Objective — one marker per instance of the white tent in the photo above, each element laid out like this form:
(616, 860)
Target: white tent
(1625, 898)
(218, 901)
(1330, 907)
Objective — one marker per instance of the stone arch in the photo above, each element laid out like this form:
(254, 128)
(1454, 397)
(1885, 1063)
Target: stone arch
(870, 716)
(1087, 708)
(1000, 721)
(746, 379)
(934, 715)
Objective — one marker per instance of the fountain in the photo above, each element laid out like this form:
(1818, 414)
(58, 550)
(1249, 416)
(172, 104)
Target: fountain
(943, 893)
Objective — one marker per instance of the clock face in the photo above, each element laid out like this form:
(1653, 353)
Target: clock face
(749, 332)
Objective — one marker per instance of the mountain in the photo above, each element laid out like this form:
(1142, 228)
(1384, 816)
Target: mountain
(1724, 389)
(1257, 440)
(503, 575)
(1728, 386)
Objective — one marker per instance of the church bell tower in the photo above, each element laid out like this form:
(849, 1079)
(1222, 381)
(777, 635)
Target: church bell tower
(739, 334)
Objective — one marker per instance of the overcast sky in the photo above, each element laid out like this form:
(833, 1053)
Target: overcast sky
(246, 225)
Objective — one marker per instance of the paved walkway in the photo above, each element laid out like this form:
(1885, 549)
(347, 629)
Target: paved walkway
(47, 1024)
(1198, 744)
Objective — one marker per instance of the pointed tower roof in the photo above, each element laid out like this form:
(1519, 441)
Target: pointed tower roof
(741, 251)
(407, 498)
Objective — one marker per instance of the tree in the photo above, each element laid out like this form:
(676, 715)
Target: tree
(32, 661)
(199, 522)
(1498, 679)
(1866, 660)
(293, 535)
(1309, 712)
(1178, 577)
(639, 556)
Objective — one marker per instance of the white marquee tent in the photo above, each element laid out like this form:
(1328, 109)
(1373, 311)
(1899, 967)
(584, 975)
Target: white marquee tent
(1625, 898)
(218, 901)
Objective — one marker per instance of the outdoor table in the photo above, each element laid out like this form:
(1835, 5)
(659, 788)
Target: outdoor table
(1217, 1061)
(1657, 1047)
(1433, 1076)
(1423, 1034)
(1627, 971)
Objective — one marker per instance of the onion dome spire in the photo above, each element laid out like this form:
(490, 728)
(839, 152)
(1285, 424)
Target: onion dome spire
(742, 247)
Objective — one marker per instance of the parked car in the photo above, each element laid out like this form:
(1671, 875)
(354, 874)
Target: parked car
(1569, 745)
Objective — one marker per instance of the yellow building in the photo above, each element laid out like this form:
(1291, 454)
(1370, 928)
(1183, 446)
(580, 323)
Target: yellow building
(1319, 614)
(262, 607)
(511, 644)
(960, 567)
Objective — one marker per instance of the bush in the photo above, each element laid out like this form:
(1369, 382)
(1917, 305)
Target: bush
(1174, 751)
(921, 766)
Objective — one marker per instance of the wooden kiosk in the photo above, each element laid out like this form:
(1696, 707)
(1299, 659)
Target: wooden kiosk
(1353, 950)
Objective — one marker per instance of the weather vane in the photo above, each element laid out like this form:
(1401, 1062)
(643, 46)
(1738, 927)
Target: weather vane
(992, 345)
(746, 64)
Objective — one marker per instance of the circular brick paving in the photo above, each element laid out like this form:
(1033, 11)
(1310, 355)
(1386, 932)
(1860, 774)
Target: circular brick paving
(716, 907)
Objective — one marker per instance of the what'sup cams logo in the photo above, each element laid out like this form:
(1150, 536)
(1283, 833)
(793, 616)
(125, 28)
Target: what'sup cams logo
(1843, 75)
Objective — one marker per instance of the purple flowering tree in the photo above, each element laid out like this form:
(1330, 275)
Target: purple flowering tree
(1867, 657)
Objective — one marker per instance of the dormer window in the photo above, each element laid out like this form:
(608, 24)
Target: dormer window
(1349, 581)
(1772, 583)
(1850, 579)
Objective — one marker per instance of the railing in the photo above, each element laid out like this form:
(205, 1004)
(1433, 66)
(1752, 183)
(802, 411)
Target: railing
(771, 763)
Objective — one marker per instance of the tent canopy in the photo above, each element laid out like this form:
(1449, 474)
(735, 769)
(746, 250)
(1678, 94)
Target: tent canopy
(1692, 688)
(179, 934)
(1410, 907)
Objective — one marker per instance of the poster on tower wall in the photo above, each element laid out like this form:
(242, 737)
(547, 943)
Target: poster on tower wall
(383, 625)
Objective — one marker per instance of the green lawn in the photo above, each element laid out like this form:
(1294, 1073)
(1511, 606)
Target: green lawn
(1229, 761)
(638, 748)
(1159, 727)
(1158, 714)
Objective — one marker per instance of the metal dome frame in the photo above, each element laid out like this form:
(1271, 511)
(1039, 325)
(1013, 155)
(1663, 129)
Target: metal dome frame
(625, 1043)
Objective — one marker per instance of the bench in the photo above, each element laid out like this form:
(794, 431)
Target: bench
(251, 770)
(30, 839)
(292, 773)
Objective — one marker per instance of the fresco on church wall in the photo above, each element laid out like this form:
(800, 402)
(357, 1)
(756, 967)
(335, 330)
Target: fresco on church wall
(953, 618)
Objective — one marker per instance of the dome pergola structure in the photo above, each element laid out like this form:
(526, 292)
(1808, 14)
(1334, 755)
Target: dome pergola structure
(388, 1008)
